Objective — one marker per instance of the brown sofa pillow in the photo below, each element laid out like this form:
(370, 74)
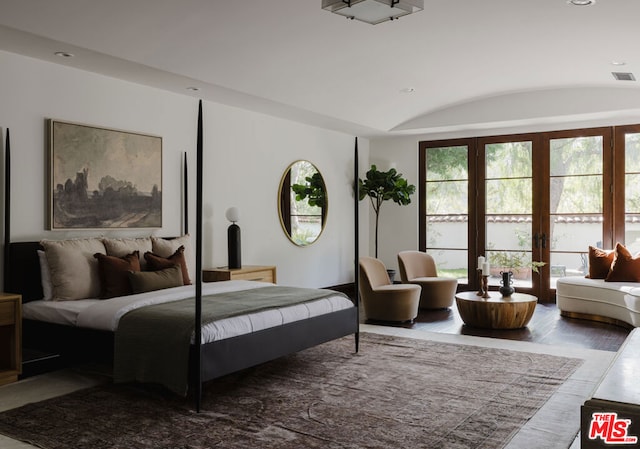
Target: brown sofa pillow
(114, 273)
(155, 263)
(147, 281)
(625, 267)
(599, 262)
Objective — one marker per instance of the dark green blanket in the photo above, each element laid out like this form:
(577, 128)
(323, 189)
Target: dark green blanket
(152, 343)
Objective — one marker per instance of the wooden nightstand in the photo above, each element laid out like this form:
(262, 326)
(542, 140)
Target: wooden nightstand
(261, 273)
(10, 337)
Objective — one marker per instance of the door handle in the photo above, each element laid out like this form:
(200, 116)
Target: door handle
(536, 240)
(544, 240)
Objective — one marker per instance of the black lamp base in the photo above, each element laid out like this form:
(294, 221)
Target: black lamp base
(233, 246)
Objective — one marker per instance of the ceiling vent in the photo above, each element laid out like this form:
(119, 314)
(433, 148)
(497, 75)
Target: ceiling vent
(623, 76)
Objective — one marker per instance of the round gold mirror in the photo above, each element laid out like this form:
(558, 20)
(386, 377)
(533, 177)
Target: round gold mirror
(302, 204)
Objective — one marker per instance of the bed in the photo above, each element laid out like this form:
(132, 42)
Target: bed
(207, 358)
(82, 327)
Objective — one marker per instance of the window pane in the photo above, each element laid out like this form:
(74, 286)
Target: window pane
(518, 262)
(576, 156)
(632, 233)
(447, 232)
(447, 197)
(576, 233)
(451, 263)
(447, 163)
(576, 195)
(508, 160)
(509, 196)
(568, 264)
(509, 233)
(632, 193)
(632, 153)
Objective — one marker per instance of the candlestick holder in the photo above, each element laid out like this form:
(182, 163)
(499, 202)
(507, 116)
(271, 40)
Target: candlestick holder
(480, 292)
(485, 286)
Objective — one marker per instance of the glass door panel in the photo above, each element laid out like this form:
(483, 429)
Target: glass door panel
(575, 204)
(632, 192)
(508, 210)
(447, 209)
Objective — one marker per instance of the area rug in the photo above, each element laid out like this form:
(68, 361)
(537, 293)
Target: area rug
(396, 392)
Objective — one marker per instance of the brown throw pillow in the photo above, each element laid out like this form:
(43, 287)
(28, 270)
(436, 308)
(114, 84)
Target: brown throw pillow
(114, 273)
(147, 281)
(599, 262)
(155, 263)
(625, 267)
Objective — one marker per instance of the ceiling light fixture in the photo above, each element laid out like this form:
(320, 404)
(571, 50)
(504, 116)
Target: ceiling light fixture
(373, 11)
(193, 88)
(581, 2)
(64, 54)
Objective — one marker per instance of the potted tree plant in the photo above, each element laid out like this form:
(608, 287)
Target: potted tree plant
(381, 186)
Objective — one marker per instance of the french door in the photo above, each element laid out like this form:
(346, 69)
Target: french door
(535, 203)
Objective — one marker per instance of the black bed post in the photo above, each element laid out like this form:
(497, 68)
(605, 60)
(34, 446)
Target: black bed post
(356, 216)
(186, 196)
(198, 319)
(7, 207)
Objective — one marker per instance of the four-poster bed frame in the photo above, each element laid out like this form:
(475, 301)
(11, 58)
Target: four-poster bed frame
(206, 361)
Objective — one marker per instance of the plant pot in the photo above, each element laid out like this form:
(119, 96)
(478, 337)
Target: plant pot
(392, 275)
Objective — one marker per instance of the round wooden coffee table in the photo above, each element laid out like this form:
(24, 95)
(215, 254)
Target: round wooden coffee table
(496, 312)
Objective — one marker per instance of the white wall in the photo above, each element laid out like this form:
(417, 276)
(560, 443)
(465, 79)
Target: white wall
(245, 156)
(398, 224)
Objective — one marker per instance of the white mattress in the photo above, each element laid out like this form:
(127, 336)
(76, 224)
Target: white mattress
(105, 314)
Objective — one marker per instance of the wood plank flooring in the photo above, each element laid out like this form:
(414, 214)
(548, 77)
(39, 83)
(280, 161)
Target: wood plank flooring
(546, 327)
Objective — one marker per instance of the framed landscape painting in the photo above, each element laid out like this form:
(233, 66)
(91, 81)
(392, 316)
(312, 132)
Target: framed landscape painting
(103, 178)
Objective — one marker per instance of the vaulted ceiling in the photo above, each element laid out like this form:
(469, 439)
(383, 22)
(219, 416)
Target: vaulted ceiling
(458, 65)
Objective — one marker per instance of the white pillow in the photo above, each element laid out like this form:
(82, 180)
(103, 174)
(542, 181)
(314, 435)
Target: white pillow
(122, 247)
(166, 247)
(74, 270)
(45, 276)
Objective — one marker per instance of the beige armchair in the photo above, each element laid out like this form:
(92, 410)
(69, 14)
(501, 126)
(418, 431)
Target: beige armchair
(382, 300)
(417, 267)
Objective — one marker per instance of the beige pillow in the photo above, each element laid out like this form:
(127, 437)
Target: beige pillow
(74, 270)
(122, 247)
(147, 281)
(167, 247)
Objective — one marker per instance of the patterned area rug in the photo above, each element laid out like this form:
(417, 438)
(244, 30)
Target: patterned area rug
(396, 392)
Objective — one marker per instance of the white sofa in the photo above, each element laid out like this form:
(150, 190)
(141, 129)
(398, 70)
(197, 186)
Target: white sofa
(595, 299)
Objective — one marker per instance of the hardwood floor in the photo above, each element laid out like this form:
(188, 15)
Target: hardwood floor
(546, 327)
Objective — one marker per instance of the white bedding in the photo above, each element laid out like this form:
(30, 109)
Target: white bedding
(105, 314)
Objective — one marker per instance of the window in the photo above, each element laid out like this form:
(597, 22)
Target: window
(531, 203)
(446, 208)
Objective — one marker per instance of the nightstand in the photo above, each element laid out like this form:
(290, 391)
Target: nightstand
(261, 273)
(10, 337)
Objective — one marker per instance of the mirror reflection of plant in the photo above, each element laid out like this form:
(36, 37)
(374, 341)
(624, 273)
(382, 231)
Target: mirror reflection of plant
(314, 190)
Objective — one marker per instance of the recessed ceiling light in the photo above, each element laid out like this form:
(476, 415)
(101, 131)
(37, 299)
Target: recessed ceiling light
(193, 88)
(408, 90)
(581, 2)
(64, 54)
(618, 63)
